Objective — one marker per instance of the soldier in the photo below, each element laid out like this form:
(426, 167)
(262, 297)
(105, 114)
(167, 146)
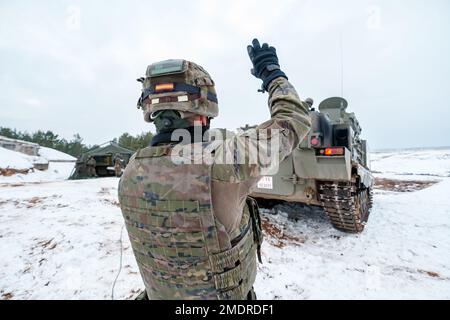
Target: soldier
(80, 170)
(118, 165)
(90, 164)
(195, 232)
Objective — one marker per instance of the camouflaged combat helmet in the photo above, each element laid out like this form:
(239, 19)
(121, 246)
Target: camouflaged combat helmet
(178, 85)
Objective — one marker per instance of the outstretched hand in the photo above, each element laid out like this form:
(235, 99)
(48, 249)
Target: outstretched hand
(265, 63)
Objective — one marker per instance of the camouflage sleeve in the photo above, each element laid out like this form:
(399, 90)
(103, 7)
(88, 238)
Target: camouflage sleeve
(258, 152)
(289, 115)
(239, 161)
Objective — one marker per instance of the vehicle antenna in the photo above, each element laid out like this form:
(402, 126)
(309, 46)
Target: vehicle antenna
(342, 64)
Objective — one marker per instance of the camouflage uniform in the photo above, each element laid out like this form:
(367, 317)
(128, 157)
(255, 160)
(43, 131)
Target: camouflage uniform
(118, 166)
(194, 231)
(80, 169)
(90, 164)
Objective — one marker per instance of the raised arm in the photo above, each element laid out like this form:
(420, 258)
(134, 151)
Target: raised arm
(258, 152)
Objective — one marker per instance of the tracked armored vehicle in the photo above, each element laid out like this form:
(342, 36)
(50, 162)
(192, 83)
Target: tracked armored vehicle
(330, 168)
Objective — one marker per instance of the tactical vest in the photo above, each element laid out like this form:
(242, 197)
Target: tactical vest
(182, 250)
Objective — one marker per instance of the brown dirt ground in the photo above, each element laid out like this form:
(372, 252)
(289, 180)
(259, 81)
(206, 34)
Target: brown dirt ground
(7, 296)
(9, 172)
(277, 236)
(402, 185)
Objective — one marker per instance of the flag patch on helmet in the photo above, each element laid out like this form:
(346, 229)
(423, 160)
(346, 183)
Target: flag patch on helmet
(164, 87)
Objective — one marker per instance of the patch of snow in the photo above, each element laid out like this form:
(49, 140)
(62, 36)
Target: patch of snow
(402, 254)
(411, 164)
(57, 171)
(60, 240)
(14, 160)
(55, 155)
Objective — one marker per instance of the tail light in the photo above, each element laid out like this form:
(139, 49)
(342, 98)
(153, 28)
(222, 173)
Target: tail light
(315, 142)
(332, 151)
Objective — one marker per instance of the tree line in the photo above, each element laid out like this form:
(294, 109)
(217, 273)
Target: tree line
(75, 146)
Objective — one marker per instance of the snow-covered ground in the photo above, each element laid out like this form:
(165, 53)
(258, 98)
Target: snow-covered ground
(61, 240)
(412, 164)
(55, 155)
(59, 169)
(15, 160)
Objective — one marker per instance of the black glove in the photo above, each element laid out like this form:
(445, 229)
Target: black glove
(265, 63)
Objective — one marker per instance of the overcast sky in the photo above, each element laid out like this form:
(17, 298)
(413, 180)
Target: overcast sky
(70, 66)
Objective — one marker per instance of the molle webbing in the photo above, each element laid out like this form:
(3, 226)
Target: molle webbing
(168, 99)
(179, 87)
(234, 277)
(182, 251)
(160, 205)
(228, 259)
(180, 259)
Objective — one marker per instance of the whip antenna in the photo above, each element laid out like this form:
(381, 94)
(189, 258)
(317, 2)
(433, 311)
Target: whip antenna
(342, 64)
